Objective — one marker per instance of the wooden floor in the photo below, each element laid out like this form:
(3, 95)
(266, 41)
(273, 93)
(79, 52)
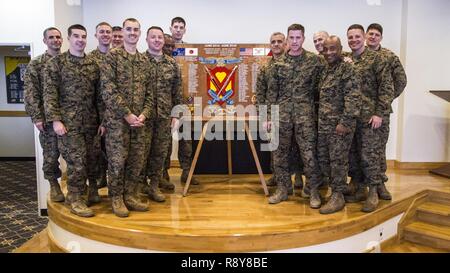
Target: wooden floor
(221, 206)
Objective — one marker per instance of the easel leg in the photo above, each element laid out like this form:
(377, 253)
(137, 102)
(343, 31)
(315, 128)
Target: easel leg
(255, 157)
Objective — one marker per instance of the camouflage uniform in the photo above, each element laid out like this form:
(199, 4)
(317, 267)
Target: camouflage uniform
(100, 57)
(127, 88)
(339, 104)
(295, 162)
(71, 95)
(293, 82)
(34, 105)
(377, 93)
(167, 94)
(399, 80)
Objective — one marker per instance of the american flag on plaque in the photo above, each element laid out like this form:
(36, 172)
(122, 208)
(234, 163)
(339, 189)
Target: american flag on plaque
(246, 51)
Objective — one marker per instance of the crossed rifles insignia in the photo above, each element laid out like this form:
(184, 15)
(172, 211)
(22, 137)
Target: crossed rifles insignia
(220, 81)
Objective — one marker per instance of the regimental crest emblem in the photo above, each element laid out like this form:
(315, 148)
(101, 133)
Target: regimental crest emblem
(220, 84)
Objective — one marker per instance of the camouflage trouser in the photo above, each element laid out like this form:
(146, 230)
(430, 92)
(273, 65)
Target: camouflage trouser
(184, 154)
(365, 154)
(384, 134)
(306, 137)
(355, 170)
(80, 150)
(102, 159)
(158, 138)
(332, 151)
(125, 147)
(295, 162)
(49, 144)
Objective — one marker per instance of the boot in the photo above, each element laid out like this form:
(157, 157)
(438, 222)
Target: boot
(133, 203)
(166, 185)
(78, 206)
(352, 187)
(103, 182)
(56, 194)
(118, 206)
(93, 197)
(314, 199)
(335, 204)
(143, 188)
(383, 193)
(184, 177)
(154, 193)
(271, 182)
(298, 184)
(372, 200)
(360, 195)
(280, 195)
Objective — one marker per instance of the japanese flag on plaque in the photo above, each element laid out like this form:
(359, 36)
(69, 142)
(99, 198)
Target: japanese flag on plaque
(258, 51)
(191, 51)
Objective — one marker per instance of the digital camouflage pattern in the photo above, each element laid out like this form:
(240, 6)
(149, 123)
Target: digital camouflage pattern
(71, 95)
(377, 93)
(168, 94)
(127, 88)
(292, 85)
(339, 103)
(34, 106)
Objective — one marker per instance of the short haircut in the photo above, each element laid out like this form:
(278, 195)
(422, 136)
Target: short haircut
(356, 26)
(277, 33)
(48, 29)
(376, 27)
(102, 24)
(168, 36)
(131, 20)
(323, 32)
(76, 26)
(178, 20)
(296, 27)
(334, 37)
(116, 28)
(154, 27)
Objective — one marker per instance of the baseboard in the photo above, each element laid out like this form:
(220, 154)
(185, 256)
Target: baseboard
(17, 158)
(417, 165)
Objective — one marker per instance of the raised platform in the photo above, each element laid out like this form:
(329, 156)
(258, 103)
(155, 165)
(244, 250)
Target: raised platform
(232, 215)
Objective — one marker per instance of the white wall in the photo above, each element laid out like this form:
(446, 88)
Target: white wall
(252, 21)
(425, 129)
(67, 13)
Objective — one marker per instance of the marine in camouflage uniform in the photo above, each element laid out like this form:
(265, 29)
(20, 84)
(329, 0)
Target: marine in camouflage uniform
(34, 106)
(167, 95)
(127, 88)
(71, 96)
(339, 106)
(293, 82)
(377, 93)
(277, 43)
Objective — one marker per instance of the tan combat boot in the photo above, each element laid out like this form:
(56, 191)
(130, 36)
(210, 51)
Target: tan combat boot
(335, 204)
(184, 177)
(165, 183)
(280, 195)
(56, 194)
(383, 193)
(93, 197)
(372, 200)
(360, 195)
(78, 205)
(133, 203)
(118, 206)
(314, 199)
(154, 193)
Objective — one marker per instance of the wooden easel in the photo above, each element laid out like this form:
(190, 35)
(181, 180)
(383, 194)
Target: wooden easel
(230, 169)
